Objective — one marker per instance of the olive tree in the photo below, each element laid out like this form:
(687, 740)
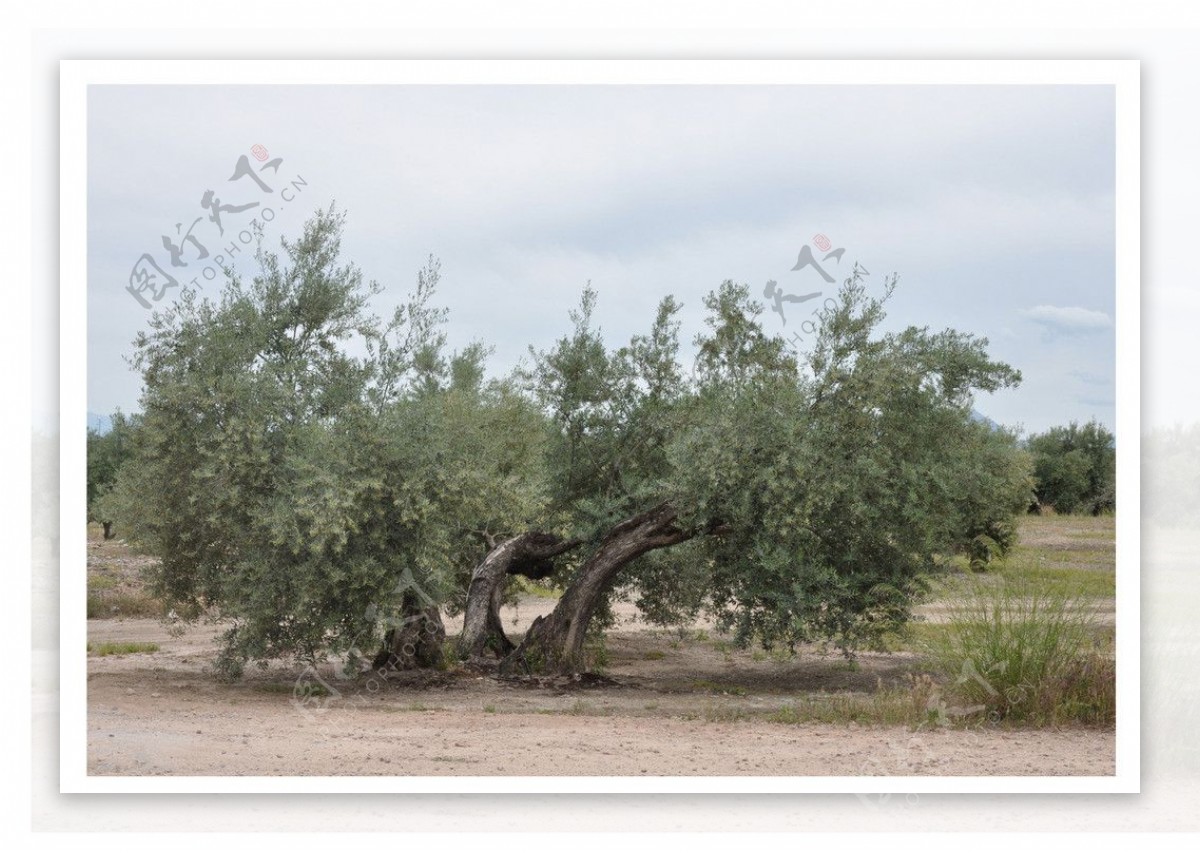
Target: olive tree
(331, 483)
(318, 477)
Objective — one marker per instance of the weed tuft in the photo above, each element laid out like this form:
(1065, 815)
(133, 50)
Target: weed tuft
(1025, 654)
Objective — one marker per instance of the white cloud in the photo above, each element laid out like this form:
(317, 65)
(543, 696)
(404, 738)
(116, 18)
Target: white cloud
(1069, 319)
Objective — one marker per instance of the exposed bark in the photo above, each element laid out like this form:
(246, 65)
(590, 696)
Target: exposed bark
(554, 643)
(415, 641)
(529, 554)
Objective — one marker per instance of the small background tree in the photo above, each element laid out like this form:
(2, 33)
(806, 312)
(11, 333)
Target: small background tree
(1075, 468)
(106, 453)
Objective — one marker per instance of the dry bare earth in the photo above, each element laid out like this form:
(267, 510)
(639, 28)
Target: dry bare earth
(672, 703)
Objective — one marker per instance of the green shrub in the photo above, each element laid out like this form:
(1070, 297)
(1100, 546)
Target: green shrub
(1024, 654)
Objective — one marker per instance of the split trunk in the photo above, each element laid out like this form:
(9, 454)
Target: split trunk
(529, 554)
(554, 643)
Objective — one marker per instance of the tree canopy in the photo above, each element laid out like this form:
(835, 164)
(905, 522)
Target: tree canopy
(326, 481)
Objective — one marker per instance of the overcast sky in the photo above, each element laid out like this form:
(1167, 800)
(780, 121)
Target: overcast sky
(993, 204)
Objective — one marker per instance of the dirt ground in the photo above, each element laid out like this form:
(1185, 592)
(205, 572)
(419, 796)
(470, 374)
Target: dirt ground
(671, 703)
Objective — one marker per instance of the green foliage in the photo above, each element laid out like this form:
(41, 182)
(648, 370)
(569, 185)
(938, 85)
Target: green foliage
(1075, 468)
(307, 492)
(103, 604)
(608, 415)
(833, 484)
(839, 481)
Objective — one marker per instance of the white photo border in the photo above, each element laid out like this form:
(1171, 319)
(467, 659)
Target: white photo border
(77, 75)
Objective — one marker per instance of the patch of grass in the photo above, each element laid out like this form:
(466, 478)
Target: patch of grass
(654, 656)
(106, 649)
(102, 583)
(536, 589)
(782, 654)
(1025, 653)
(587, 709)
(1106, 534)
(274, 687)
(300, 689)
(1073, 573)
(778, 654)
(489, 709)
(106, 605)
(885, 707)
(914, 636)
(733, 714)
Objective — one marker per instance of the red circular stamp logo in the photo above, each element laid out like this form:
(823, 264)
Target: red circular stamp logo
(259, 152)
(822, 242)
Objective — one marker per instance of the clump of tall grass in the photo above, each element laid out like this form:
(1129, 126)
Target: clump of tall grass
(1024, 654)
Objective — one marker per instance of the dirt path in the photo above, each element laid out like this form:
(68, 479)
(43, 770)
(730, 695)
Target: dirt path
(675, 704)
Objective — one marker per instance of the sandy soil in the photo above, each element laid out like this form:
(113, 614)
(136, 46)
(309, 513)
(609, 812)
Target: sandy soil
(671, 704)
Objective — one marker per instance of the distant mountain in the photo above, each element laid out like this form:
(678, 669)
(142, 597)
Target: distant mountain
(100, 423)
(980, 418)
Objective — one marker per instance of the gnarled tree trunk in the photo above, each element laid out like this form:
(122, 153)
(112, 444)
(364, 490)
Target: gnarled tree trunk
(529, 554)
(415, 640)
(554, 643)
